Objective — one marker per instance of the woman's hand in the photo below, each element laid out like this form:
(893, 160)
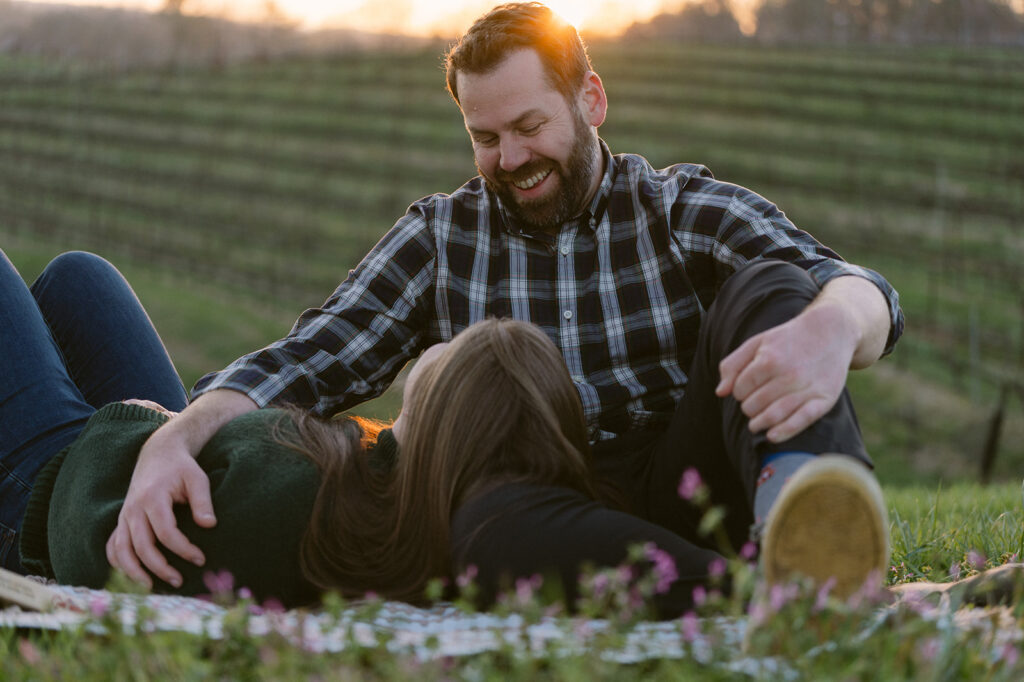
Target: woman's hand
(156, 407)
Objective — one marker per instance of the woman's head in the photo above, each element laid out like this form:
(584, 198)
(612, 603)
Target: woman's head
(496, 404)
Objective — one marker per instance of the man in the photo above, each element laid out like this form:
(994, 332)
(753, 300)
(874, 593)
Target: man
(620, 265)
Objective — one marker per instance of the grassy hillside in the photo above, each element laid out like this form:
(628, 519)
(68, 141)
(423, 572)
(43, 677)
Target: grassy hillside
(256, 187)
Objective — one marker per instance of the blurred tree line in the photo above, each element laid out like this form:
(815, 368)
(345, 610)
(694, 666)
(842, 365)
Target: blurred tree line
(909, 22)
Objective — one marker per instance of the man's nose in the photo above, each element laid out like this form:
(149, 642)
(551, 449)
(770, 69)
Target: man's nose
(513, 154)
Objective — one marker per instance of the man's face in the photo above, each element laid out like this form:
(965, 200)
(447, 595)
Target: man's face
(535, 150)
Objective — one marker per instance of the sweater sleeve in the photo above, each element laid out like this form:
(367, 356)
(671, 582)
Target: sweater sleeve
(262, 491)
(117, 430)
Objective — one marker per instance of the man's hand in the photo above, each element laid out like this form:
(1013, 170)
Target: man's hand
(167, 474)
(788, 377)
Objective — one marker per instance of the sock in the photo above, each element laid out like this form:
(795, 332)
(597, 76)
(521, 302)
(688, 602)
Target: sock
(777, 469)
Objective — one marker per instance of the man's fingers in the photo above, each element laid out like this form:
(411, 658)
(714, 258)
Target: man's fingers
(143, 543)
(125, 559)
(165, 527)
(197, 488)
(734, 363)
(804, 416)
(773, 413)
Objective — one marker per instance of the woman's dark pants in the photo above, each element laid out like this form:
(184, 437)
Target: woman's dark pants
(74, 341)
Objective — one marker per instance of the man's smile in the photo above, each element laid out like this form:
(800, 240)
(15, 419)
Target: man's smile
(533, 180)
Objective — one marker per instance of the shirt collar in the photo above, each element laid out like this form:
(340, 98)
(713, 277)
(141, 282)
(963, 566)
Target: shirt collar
(590, 216)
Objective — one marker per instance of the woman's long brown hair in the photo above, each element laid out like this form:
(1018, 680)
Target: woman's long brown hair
(497, 406)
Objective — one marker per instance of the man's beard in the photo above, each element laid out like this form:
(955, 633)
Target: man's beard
(549, 212)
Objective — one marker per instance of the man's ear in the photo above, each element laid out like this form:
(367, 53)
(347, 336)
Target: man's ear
(593, 100)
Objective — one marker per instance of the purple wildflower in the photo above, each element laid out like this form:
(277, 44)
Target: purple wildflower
(700, 595)
(976, 560)
(716, 569)
(664, 568)
(748, 551)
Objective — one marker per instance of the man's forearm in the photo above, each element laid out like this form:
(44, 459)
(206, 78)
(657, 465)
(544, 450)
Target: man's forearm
(860, 307)
(202, 418)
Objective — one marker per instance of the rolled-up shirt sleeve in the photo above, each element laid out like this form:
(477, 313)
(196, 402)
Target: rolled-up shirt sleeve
(351, 348)
(753, 228)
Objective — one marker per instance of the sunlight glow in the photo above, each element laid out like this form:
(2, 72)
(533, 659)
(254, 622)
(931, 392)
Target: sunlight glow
(446, 18)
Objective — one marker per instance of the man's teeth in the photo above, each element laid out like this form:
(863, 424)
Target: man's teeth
(532, 180)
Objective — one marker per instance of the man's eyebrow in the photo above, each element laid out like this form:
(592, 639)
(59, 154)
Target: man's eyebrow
(519, 120)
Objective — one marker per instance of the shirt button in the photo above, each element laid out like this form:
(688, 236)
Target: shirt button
(567, 314)
(565, 250)
(593, 222)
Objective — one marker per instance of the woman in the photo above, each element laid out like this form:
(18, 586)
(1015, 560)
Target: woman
(493, 474)
(493, 471)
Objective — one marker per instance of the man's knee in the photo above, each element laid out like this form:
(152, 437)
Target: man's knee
(765, 277)
(758, 296)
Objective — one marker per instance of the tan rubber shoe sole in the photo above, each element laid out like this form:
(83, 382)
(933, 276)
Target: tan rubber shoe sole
(829, 521)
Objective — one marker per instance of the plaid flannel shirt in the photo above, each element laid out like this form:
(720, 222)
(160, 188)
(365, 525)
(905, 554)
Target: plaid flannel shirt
(621, 289)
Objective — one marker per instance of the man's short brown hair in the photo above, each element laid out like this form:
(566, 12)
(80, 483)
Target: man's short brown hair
(515, 26)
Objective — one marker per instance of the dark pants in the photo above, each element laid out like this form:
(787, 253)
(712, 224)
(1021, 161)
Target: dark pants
(77, 340)
(710, 433)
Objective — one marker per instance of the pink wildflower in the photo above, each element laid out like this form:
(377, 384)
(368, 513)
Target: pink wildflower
(221, 582)
(274, 606)
(976, 560)
(777, 597)
(690, 626)
(600, 584)
(954, 571)
(29, 651)
(928, 650)
(716, 569)
(757, 612)
(1010, 654)
(700, 595)
(822, 597)
(690, 484)
(748, 551)
(467, 577)
(636, 600)
(525, 587)
(99, 605)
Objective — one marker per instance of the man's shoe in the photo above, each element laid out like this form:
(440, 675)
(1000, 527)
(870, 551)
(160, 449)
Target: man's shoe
(829, 521)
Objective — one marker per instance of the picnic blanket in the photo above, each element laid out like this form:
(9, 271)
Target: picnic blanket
(447, 631)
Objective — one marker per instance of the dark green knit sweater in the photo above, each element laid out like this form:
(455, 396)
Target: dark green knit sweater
(262, 492)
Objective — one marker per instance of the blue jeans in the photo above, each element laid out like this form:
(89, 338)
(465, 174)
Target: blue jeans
(73, 342)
